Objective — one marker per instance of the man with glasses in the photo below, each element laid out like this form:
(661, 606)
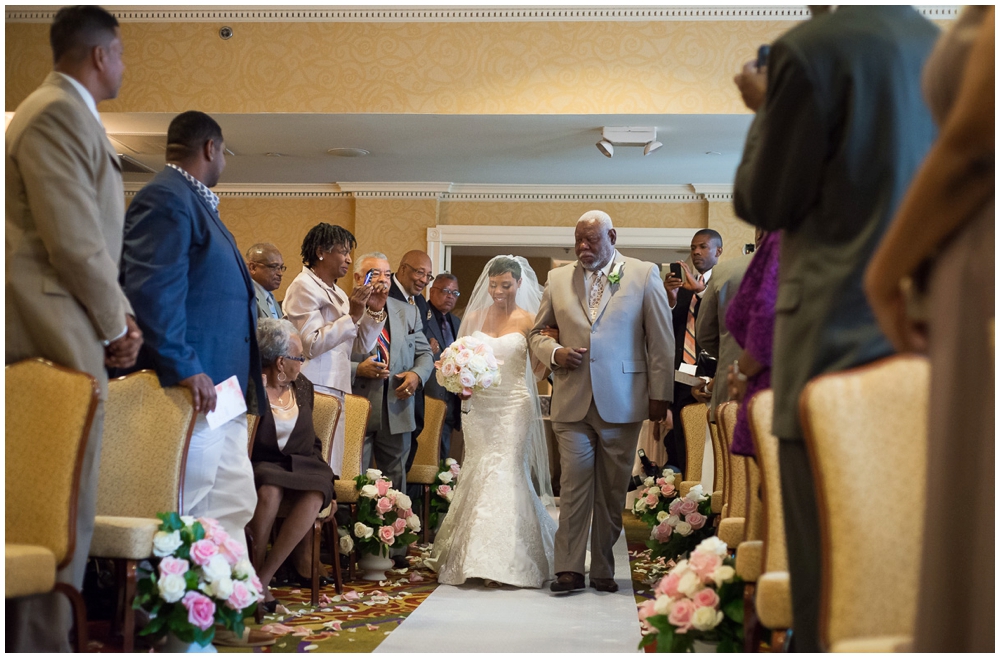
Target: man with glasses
(266, 267)
(441, 328)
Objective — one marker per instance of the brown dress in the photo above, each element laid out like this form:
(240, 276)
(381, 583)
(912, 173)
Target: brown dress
(956, 607)
(299, 466)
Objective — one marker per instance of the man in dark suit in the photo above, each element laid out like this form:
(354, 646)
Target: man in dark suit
(830, 154)
(194, 300)
(408, 283)
(684, 295)
(441, 328)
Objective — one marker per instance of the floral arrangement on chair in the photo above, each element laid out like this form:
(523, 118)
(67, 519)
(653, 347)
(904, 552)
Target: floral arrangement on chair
(653, 497)
(385, 516)
(467, 365)
(700, 599)
(682, 526)
(203, 578)
(448, 472)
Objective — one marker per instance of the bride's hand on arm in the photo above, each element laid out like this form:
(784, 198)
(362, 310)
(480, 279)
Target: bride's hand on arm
(550, 332)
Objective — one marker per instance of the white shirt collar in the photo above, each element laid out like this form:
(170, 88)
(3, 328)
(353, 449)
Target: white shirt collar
(407, 295)
(705, 277)
(606, 270)
(88, 98)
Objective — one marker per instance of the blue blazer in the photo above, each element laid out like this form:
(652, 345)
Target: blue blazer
(192, 294)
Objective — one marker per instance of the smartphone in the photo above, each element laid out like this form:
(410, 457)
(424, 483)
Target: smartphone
(675, 271)
(762, 54)
(368, 277)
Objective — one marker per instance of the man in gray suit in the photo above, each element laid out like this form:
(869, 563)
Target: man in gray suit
(831, 152)
(390, 375)
(613, 368)
(266, 266)
(65, 207)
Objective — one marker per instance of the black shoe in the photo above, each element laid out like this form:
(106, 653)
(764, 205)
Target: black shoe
(604, 584)
(269, 607)
(297, 579)
(567, 581)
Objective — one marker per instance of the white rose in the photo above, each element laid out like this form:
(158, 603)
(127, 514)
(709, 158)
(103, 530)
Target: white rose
(373, 474)
(689, 584)
(713, 545)
(446, 476)
(662, 605)
(403, 501)
(165, 543)
(413, 523)
(172, 588)
(450, 461)
(448, 496)
(243, 569)
(188, 520)
(697, 494)
(221, 588)
(661, 517)
(668, 475)
(649, 482)
(705, 619)
(361, 531)
(683, 528)
(653, 490)
(467, 378)
(369, 491)
(640, 505)
(346, 544)
(216, 569)
(673, 520)
(723, 574)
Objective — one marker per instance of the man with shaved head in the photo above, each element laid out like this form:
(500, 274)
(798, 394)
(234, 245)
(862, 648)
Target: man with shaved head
(266, 267)
(612, 368)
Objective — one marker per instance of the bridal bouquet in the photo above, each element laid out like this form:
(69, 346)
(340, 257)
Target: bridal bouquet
(448, 472)
(203, 578)
(468, 365)
(385, 516)
(682, 526)
(699, 600)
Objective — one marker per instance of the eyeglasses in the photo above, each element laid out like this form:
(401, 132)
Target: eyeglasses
(300, 359)
(450, 293)
(421, 274)
(273, 266)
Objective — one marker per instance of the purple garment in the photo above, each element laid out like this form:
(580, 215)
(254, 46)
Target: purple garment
(750, 321)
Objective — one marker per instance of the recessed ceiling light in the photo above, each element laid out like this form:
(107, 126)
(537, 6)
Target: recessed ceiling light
(712, 153)
(349, 152)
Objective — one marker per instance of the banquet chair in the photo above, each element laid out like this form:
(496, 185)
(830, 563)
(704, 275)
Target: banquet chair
(424, 469)
(868, 427)
(773, 597)
(356, 411)
(731, 528)
(252, 421)
(694, 418)
(719, 472)
(147, 430)
(49, 414)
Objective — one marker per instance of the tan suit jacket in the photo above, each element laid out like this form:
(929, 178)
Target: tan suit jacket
(65, 210)
(630, 345)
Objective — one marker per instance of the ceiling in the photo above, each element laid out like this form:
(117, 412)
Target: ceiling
(465, 149)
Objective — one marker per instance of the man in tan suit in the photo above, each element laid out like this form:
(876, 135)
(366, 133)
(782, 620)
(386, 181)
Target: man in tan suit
(613, 367)
(65, 209)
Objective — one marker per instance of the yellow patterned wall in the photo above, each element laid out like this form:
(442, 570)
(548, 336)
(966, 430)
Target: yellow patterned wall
(565, 213)
(394, 226)
(570, 67)
(735, 232)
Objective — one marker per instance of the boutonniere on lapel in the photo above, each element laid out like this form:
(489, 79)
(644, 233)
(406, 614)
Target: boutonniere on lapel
(615, 276)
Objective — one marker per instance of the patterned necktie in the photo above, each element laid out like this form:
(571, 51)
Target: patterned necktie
(382, 346)
(410, 300)
(596, 290)
(690, 355)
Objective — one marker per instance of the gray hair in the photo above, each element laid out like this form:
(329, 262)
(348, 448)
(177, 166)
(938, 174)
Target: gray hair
(273, 338)
(378, 255)
(602, 218)
(445, 276)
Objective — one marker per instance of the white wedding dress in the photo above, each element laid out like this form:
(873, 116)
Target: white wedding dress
(497, 527)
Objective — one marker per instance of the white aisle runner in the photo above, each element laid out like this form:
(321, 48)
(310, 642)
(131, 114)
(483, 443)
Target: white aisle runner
(471, 618)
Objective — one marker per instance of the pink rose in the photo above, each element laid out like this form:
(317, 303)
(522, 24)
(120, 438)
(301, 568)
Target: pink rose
(255, 583)
(232, 550)
(651, 499)
(383, 505)
(405, 513)
(173, 566)
(398, 526)
(704, 563)
(662, 532)
(201, 609)
(463, 357)
(681, 614)
(661, 482)
(480, 348)
(687, 506)
(386, 535)
(444, 490)
(455, 469)
(667, 489)
(706, 598)
(202, 551)
(696, 520)
(674, 506)
(383, 487)
(668, 585)
(449, 369)
(646, 609)
(467, 379)
(242, 596)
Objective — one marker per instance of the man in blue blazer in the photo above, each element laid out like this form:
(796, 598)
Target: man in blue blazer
(194, 300)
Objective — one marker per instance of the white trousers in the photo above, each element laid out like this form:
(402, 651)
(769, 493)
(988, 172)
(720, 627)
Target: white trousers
(218, 481)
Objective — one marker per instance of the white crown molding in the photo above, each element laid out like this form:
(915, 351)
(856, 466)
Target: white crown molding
(676, 193)
(395, 190)
(714, 191)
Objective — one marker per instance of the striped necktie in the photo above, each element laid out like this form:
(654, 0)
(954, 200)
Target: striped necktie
(382, 346)
(690, 354)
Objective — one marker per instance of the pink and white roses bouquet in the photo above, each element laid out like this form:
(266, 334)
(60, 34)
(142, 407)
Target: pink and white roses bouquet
(385, 516)
(700, 598)
(682, 526)
(202, 579)
(468, 365)
(443, 489)
(653, 497)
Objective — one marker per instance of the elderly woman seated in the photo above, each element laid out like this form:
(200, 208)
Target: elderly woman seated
(287, 455)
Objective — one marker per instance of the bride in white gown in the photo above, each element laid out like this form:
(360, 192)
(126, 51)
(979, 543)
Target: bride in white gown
(498, 528)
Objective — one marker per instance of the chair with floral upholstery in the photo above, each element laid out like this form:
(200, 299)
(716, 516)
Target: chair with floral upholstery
(424, 469)
(147, 429)
(48, 416)
(694, 419)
